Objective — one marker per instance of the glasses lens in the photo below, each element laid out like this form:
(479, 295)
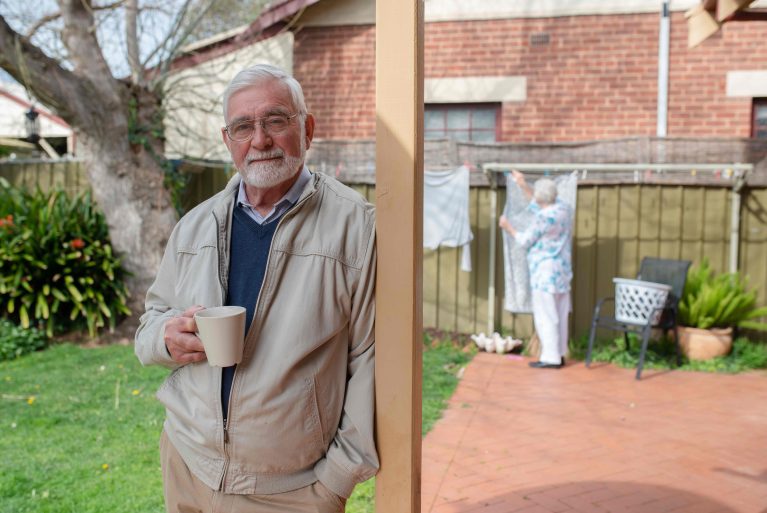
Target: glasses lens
(241, 131)
(275, 124)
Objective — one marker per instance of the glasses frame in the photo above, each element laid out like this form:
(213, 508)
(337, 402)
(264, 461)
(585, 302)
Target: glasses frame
(257, 121)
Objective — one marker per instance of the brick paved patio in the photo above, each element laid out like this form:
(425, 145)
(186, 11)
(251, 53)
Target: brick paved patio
(516, 439)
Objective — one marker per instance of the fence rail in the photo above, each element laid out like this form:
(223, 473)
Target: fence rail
(616, 225)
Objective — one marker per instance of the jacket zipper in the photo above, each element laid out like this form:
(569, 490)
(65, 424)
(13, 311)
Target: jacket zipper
(223, 299)
(255, 309)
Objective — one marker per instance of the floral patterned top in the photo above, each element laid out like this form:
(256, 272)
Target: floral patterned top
(547, 242)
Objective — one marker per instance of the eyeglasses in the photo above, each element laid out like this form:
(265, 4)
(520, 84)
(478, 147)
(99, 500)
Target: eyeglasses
(271, 125)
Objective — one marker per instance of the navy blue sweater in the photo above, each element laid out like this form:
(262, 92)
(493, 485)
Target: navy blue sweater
(249, 251)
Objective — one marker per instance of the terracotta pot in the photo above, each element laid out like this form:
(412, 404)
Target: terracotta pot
(698, 344)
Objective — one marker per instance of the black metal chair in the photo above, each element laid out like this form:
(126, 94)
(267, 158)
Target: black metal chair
(657, 270)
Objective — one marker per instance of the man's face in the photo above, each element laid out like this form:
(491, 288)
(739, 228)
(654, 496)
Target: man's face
(268, 159)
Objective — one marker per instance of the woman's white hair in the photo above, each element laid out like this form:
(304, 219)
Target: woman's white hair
(258, 73)
(545, 191)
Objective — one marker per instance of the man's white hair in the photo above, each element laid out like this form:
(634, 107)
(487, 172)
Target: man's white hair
(545, 191)
(258, 73)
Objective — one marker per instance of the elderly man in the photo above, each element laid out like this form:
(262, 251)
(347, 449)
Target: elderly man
(290, 428)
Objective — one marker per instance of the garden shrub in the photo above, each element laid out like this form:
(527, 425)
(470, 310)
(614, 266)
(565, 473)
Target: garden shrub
(57, 268)
(16, 341)
(724, 300)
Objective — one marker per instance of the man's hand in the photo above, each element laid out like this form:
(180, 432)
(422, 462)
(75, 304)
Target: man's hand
(180, 339)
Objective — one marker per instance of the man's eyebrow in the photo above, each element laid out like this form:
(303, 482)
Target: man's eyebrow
(240, 119)
(275, 111)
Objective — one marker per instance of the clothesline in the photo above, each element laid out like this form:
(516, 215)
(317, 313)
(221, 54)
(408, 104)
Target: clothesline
(493, 170)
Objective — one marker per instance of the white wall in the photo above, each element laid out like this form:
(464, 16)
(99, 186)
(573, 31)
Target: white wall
(194, 110)
(12, 116)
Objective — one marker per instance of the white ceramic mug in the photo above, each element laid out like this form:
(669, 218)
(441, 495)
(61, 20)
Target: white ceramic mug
(222, 331)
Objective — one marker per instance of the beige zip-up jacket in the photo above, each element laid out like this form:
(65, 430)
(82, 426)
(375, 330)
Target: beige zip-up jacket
(302, 400)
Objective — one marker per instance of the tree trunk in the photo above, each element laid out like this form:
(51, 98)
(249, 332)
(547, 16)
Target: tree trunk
(127, 183)
(137, 209)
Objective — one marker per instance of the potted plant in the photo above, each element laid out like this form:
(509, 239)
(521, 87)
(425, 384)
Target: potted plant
(711, 306)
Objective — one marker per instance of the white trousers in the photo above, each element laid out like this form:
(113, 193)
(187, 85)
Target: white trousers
(550, 318)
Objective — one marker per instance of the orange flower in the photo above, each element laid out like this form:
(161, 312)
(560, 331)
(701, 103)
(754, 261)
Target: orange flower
(78, 244)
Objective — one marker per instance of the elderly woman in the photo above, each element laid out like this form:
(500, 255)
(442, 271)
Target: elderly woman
(547, 241)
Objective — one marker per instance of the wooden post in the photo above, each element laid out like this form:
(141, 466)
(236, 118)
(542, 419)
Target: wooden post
(399, 207)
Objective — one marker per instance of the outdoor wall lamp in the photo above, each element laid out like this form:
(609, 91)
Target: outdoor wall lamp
(32, 123)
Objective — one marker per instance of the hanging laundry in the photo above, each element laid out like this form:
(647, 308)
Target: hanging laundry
(517, 292)
(446, 212)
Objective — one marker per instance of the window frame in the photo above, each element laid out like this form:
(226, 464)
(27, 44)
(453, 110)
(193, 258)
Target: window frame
(756, 105)
(471, 107)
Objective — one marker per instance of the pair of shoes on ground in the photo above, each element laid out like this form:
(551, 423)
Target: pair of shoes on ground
(544, 365)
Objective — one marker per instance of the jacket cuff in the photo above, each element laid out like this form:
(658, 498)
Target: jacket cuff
(160, 353)
(335, 478)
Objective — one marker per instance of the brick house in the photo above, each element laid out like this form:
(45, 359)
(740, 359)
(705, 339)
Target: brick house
(501, 71)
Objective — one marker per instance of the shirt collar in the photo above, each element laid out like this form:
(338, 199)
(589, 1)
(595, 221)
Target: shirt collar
(291, 196)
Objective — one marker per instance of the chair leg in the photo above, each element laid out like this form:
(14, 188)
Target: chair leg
(645, 339)
(592, 334)
(678, 348)
(626, 338)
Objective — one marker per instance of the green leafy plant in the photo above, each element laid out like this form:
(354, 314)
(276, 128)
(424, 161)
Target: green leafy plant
(16, 341)
(719, 301)
(661, 355)
(57, 268)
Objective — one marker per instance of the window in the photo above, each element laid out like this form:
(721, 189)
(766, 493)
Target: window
(759, 123)
(476, 122)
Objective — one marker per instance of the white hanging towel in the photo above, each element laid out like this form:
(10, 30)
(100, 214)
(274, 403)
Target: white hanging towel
(517, 293)
(446, 212)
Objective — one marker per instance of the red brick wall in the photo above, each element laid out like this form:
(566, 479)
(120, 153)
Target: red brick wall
(336, 67)
(597, 77)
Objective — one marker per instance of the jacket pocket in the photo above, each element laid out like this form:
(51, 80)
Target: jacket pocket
(283, 435)
(197, 274)
(315, 412)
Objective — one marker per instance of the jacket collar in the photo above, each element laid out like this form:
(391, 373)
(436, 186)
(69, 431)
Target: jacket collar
(224, 202)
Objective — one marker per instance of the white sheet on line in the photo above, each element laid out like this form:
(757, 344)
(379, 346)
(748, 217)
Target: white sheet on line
(517, 293)
(446, 212)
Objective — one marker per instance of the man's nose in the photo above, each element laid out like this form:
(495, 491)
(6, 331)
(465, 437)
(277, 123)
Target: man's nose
(261, 139)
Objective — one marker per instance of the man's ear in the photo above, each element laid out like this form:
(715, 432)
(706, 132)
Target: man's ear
(309, 130)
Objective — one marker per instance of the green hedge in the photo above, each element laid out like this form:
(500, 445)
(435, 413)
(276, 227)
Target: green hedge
(57, 268)
(16, 341)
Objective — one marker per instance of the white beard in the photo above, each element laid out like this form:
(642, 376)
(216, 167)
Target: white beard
(265, 175)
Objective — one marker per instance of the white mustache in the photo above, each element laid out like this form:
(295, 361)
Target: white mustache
(258, 155)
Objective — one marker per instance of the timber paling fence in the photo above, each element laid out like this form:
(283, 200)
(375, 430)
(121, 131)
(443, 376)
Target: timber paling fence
(617, 223)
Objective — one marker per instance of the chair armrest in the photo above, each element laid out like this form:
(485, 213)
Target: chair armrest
(598, 308)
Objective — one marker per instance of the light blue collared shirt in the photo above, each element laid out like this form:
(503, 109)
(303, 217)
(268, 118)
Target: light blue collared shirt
(288, 200)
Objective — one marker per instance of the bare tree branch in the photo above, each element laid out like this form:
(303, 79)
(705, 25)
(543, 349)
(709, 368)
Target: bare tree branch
(177, 22)
(56, 15)
(79, 37)
(131, 41)
(176, 41)
(41, 75)
(41, 22)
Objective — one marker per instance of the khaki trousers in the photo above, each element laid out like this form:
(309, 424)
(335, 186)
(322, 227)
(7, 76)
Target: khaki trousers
(184, 493)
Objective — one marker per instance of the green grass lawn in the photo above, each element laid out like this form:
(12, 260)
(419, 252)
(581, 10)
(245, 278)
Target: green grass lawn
(80, 429)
